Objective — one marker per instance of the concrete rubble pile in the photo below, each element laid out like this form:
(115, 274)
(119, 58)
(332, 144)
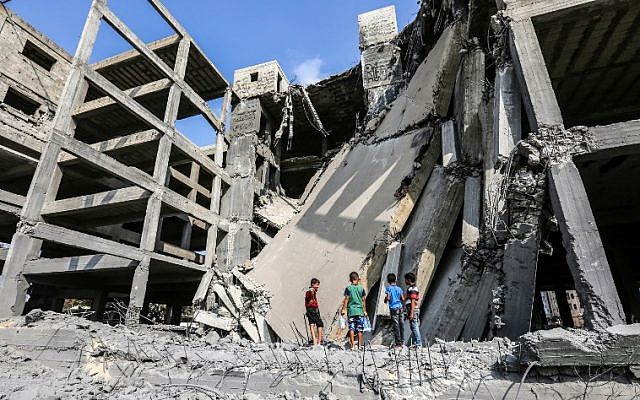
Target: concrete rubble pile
(491, 148)
(237, 305)
(84, 359)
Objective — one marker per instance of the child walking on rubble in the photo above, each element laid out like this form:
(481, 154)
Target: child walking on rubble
(354, 307)
(411, 306)
(394, 298)
(313, 311)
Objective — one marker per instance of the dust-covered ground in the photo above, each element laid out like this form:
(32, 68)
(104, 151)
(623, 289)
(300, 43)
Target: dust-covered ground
(57, 356)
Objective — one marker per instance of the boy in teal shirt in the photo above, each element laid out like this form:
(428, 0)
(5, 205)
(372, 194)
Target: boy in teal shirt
(354, 307)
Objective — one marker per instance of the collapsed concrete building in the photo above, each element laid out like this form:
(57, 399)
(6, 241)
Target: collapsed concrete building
(489, 148)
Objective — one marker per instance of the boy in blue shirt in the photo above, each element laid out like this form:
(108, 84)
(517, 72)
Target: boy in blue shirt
(394, 298)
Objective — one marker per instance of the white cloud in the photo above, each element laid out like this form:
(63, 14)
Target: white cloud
(308, 71)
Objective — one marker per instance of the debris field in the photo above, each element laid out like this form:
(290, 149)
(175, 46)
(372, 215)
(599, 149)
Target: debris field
(491, 148)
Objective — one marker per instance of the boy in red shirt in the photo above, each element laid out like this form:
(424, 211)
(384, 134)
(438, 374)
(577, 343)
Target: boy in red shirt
(411, 306)
(313, 312)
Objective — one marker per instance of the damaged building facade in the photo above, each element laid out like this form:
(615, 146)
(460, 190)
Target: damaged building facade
(492, 149)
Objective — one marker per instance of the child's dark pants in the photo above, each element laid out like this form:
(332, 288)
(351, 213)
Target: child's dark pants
(398, 325)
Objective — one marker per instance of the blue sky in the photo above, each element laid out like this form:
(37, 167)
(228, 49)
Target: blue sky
(311, 39)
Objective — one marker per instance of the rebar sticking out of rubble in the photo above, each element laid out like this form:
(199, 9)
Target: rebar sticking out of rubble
(430, 362)
(375, 367)
(444, 362)
(395, 356)
(418, 364)
(409, 360)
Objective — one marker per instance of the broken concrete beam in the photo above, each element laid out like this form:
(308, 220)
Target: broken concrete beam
(346, 216)
(538, 94)
(250, 329)
(501, 130)
(449, 147)
(236, 296)
(260, 79)
(377, 26)
(246, 281)
(263, 328)
(483, 308)
(222, 294)
(382, 75)
(429, 91)
(519, 266)
(585, 252)
(203, 287)
(459, 303)
(446, 275)
(420, 177)
(507, 113)
(210, 319)
(471, 211)
(435, 216)
(237, 203)
(391, 266)
(471, 93)
(275, 210)
(618, 345)
(381, 66)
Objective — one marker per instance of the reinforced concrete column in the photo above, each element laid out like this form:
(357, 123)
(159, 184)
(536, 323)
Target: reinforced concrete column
(382, 76)
(46, 179)
(237, 202)
(585, 252)
(152, 226)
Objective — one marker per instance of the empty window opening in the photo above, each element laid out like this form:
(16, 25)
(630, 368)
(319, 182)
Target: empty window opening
(78, 307)
(20, 102)
(557, 303)
(553, 311)
(38, 56)
(254, 77)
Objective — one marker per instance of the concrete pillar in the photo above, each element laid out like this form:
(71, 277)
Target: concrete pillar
(471, 211)
(237, 203)
(99, 304)
(585, 252)
(507, 113)
(391, 266)
(380, 59)
(450, 153)
(519, 266)
(470, 92)
(538, 94)
(46, 179)
(434, 218)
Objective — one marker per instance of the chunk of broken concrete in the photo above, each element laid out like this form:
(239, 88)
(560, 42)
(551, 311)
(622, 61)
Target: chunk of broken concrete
(34, 316)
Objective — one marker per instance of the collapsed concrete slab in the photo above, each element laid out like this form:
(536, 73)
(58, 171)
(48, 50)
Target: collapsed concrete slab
(431, 87)
(347, 213)
(352, 207)
(618, 345)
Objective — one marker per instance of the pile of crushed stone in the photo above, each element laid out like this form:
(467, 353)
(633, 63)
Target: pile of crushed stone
(46, 355)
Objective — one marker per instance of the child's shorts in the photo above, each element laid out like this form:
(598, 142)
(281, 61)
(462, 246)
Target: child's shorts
(356, 323)
(313, 315)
